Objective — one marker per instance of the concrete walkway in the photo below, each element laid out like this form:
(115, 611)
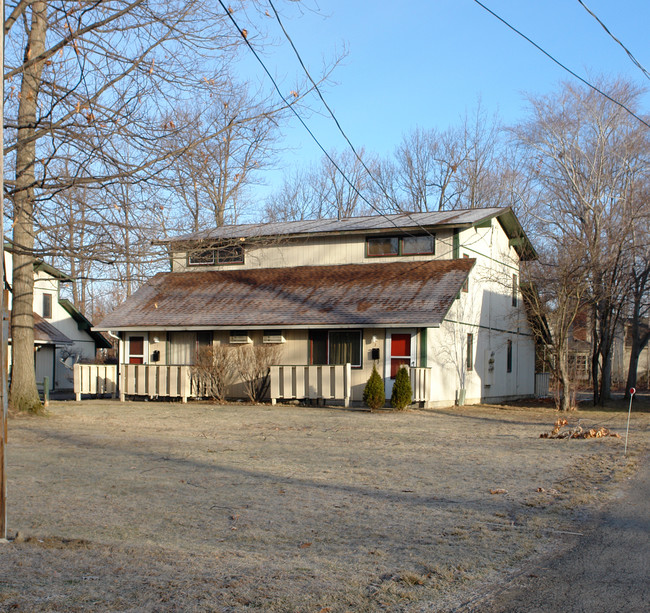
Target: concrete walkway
(607, 571)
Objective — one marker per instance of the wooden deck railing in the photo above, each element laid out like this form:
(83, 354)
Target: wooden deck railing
(287, 382)
(97, 379)
(420, 384)
(155, 380)
(314, 382)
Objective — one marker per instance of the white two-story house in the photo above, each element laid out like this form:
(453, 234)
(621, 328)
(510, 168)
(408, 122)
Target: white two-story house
(62, 334)
(436, 291)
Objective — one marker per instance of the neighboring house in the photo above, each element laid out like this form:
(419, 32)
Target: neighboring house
(62, 335)
(435, 291)
(581, 350)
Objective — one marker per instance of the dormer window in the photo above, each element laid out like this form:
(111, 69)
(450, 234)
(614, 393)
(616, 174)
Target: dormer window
(383, 246)
(231, 254)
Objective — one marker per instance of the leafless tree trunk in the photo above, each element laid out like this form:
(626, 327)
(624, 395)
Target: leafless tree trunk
(24, 395)
(90, 104)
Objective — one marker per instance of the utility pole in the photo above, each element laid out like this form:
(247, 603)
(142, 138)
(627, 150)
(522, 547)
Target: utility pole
(4, 334)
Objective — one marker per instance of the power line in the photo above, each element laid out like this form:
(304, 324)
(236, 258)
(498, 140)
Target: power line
(244, 35)
(408, 214)
(629, 53)
(571, 72)
(327, 106)
(345, 136)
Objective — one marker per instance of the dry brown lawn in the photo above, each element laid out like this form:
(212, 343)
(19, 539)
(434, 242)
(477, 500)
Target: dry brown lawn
(148, 506)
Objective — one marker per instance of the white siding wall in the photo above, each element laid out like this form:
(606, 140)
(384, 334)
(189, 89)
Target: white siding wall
(315, 251)
(83, 344)
(485, 311)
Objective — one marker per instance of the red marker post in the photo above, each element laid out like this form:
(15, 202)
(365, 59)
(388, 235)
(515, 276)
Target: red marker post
(632, 392)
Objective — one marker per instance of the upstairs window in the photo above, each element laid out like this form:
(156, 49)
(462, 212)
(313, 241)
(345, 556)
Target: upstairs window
(201, 258)
(417, 245)
(231, 254)
(515, 290)
(47, 306)
(382, 246)
(386, 245)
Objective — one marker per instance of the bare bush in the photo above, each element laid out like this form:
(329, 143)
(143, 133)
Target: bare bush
(213, 371)
(253, 363)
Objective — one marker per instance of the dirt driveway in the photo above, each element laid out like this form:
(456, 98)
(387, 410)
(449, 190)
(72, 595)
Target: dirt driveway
(169, 507)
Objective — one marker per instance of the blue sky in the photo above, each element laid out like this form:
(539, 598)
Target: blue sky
(427, 63)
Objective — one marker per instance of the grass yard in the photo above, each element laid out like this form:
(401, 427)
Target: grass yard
(147, 506)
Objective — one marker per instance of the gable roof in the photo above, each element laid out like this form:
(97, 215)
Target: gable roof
(84, 324)
(353, 295)
(460, 218)
(45, 333)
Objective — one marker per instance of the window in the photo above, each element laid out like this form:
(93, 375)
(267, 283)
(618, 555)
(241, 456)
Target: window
(234, 254)
(466, 284)
(405, 245)
(470, 352)
(383, 246)
(231, 254)
(47, 306)
(509, 357)
(417, 245)
(318, 347)
(136, 350)
(515, 290)
(182, 347)
(204, 339)
(335, 347)
(201, 258)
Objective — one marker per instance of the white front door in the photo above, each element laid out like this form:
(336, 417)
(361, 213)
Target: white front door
(400, 351)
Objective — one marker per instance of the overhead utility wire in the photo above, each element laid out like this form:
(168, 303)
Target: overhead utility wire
(548, 55)
(372, 206)
(629, 53)
(327, 106)
(293, 110)
(345, 136)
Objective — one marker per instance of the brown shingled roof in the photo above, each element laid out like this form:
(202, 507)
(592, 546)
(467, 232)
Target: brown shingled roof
(45, 333)
(397, 294)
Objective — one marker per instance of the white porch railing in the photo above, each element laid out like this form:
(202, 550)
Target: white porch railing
(155, 380)
(420, 384)
(314, 382)
(95, 379)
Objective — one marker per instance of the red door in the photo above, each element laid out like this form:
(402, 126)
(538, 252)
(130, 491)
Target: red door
(136, 350)
(400, 352)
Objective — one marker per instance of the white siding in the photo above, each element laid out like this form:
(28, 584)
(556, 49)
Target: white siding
(315, 251)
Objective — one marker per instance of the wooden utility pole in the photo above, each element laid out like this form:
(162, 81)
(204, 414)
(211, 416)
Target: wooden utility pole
(4, 334)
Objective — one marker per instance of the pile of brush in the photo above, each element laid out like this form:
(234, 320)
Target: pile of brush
(576, 431)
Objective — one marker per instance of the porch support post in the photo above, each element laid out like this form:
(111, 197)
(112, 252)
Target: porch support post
(348, 384)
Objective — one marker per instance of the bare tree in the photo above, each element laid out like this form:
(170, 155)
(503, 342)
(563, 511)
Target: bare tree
(587, 157)
(92, 88)
(210, 181)
(639, 310)
(339, 187)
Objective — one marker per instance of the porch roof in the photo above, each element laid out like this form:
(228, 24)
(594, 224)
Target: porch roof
(354, 295)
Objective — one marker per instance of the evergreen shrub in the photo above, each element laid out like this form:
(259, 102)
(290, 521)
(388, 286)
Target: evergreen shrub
(374, 396)
(402, 393)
